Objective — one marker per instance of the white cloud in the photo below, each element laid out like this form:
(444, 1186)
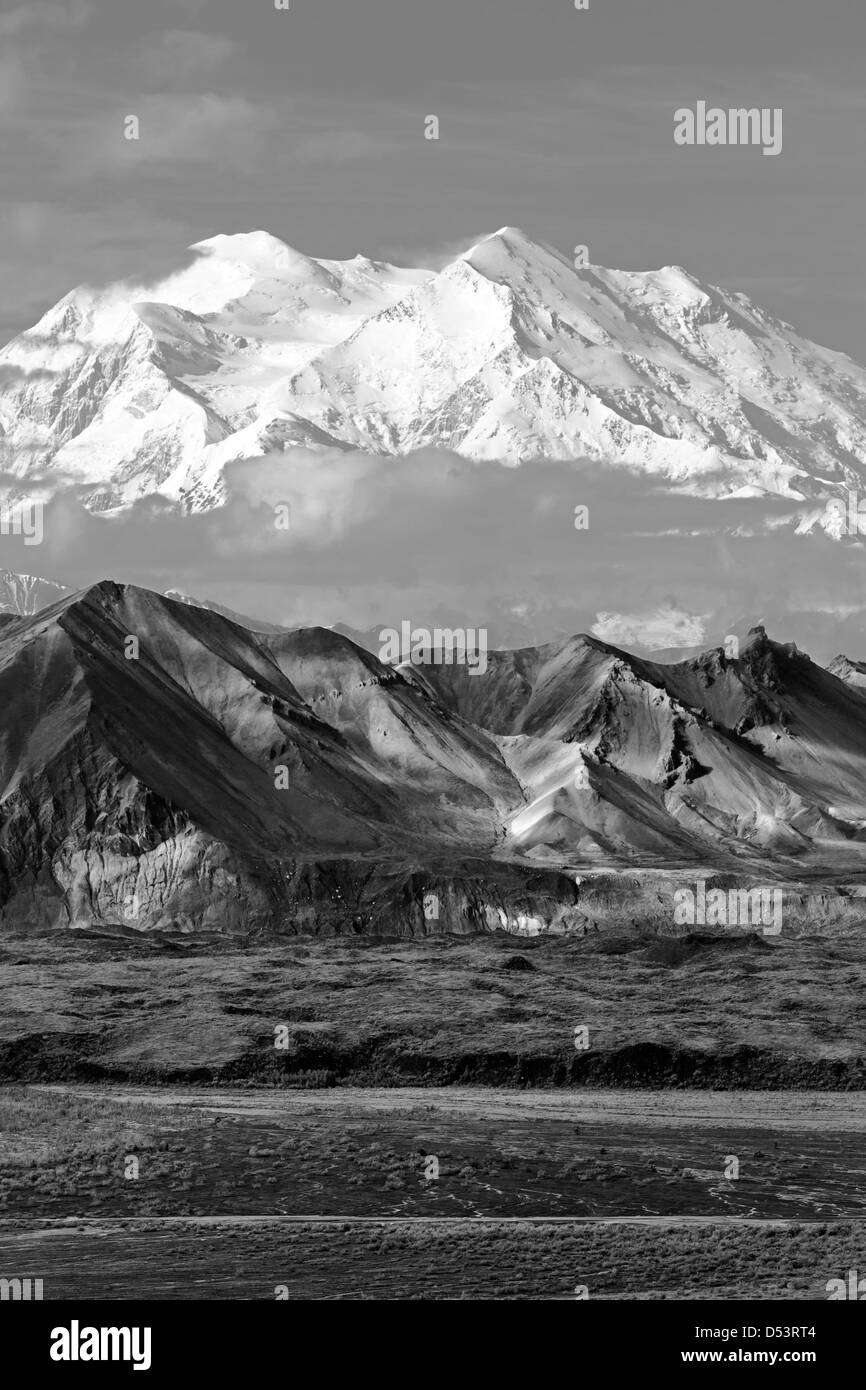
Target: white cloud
(653, 630)
(442, 540)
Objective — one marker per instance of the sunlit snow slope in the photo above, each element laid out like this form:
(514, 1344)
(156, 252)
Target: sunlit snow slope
(507, 353)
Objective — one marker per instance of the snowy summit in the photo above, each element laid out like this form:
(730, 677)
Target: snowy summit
(509, 352)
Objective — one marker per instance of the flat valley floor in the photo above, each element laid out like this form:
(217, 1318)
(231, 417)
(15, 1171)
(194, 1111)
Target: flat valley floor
(122, 1192)
(426, 1128)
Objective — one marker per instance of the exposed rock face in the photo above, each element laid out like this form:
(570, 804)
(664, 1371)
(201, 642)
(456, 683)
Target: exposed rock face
(763, 756)
(162, 767)
(852, 672)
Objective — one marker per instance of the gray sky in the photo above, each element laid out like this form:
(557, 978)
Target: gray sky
(310, 123)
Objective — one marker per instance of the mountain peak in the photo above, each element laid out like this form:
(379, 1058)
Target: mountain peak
(498, 250)
(515, 236)
(242, 246)
(681, 280)
(853, 673)
(264, 255)
(25, 594)
(360, 354)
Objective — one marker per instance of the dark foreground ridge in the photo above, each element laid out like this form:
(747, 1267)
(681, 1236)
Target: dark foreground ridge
(380, 1063)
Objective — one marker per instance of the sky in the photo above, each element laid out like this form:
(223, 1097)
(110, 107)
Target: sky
(309, 122)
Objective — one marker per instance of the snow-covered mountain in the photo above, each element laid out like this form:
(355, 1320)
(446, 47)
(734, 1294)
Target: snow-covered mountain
(851, 672)
(508, 353)
(27, 593)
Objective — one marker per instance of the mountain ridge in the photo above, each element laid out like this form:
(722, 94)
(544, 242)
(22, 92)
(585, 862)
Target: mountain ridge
(508, 352)
(177, 771)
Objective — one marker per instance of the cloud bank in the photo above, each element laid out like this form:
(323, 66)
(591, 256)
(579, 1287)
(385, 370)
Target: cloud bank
(435, 538)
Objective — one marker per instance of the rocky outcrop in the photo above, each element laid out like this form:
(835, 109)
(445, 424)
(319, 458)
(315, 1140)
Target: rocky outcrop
(165, 768)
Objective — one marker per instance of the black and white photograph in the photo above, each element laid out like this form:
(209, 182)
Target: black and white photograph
(433, 663)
